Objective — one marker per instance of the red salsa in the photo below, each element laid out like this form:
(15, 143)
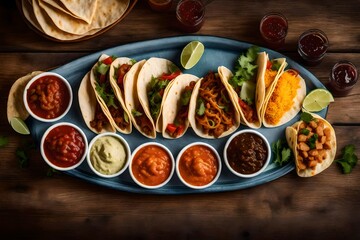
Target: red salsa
(273, 28)
(343, 77)
(190, 15)
(312, 46)
(247, 153)
(64, 146)
(48, 97)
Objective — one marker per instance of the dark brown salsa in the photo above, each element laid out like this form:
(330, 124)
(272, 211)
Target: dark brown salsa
(247, 153)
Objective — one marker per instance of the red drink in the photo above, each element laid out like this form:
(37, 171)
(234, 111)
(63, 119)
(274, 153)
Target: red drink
(273, 29)
(190, 15)
(343, 77)
(312, 46)
(160, 5)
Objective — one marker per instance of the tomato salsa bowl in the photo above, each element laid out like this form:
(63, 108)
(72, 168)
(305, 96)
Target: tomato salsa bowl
(247, 153)
(63, 146)
(198, 165)
(48, 97)
(152, 165)
(109, 155)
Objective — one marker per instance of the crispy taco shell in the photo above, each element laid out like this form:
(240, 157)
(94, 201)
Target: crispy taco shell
(172, 104)
(302, 163)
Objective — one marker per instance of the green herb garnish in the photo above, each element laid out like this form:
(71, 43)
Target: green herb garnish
(282, 152)
(312, 141)
(305, 131)
(348, 160)
(306, 117)
(136, 113)
(200, 109)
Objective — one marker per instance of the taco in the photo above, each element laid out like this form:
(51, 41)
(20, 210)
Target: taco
(246, 85)
(94, 117)
(313, 143)
(212, 111)
(284, 100)
(15, 103)
(176, 106)
(109, 101)
(141, 119)
(155, 76)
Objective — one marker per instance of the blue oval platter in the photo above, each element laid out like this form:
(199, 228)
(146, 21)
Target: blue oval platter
(218, 51)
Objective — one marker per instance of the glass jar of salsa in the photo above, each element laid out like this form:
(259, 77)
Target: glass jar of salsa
(273, 29)
(343, 77)
(190, 15)
(160, 5)
(312, 46)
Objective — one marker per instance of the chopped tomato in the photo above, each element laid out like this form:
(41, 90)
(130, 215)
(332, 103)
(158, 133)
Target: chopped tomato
(108, 60)
(268, 65)
(174, 130)
(170, 76)
(171, 128)
(122, 70)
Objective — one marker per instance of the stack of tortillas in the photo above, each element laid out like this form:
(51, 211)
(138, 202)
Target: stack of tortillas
(67, 20)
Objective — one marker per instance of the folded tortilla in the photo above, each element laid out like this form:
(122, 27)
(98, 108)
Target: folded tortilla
(172, 103)
(295, 135)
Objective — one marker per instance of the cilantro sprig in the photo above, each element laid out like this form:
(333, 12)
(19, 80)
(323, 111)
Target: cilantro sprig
(348, 160)
(282, 152)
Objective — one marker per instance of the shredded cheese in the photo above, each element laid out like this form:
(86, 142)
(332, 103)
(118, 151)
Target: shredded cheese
(282, 99)
(269, 77)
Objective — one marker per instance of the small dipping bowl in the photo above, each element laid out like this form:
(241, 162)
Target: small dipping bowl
(152, 165)
(109, 155)
(247, 153)
(60, 137)
(48, 97)
(198, 165)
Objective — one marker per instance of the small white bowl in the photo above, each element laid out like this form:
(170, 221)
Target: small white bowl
(42, 150)
(34, 79)
(171, 170)
(267, 161)
(217, 158)
(127, 152)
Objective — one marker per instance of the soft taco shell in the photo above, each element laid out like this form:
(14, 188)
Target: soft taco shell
(171, 101)
(292, 133)
(153, 67)
(295, 108)
(15, 104)
(192, 114)
(102, 103)
(131, 97)
(87, 104)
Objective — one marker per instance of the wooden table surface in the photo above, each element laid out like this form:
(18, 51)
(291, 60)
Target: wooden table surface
(326, 206)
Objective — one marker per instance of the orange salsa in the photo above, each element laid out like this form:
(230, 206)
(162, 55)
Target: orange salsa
(198, 165)
(151, 165)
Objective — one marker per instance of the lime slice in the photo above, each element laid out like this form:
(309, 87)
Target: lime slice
(191, 54)
(317, 100)
(19, 126)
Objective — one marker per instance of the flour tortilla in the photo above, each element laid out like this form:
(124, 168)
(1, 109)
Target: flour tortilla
(192, 111)
(106, 13)
(87, 104)
(102, 103)
(171, 102)
(153, 67)
(295, 109)
(15, 103)
(131, 99)
(81, 9)
(291, 137)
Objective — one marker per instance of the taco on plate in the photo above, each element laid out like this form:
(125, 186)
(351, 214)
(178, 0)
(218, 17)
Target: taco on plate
(212, 111)
(141, 119)
(284, 100)
(108, 98)
(154, 78)
(176, 106)
(313, 142)
(94, 117)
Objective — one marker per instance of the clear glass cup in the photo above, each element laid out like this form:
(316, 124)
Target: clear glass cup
(312, 46)
(343, 77)
(273, 29)
(190, 15)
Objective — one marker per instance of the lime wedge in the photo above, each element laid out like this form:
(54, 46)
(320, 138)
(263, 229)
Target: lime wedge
(317, 100)
(19, 126)
(191, 54)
